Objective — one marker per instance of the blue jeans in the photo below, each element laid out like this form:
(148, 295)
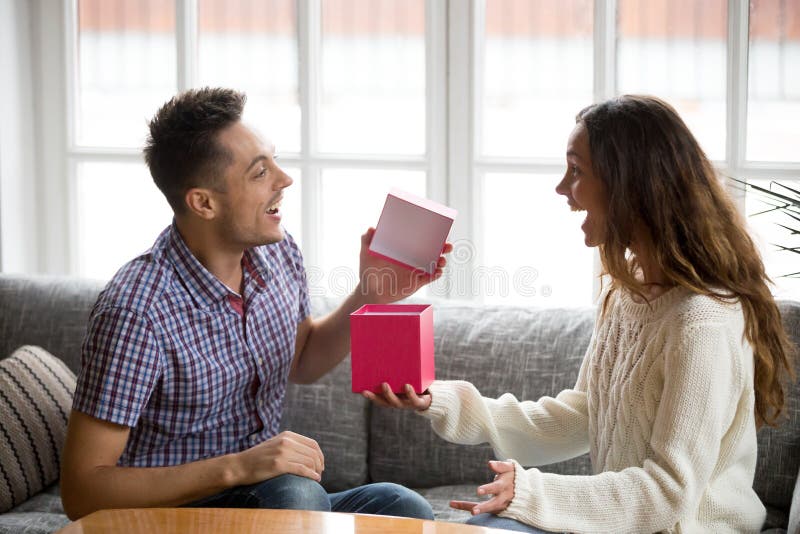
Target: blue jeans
(495, 521)
(300, 493)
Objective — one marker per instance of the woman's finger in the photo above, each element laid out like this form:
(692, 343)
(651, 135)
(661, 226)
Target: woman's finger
(370, 396)
(390, 397)
(467, 506)
(417, 402)
(494, 505)
(501, 467)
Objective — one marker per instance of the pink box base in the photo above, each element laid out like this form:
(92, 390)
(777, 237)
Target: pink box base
(392, 343)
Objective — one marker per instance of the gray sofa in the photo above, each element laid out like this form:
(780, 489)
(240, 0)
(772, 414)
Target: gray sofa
(527, 351)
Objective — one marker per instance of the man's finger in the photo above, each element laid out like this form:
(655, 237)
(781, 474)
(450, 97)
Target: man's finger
(303, 470)
(312, 448)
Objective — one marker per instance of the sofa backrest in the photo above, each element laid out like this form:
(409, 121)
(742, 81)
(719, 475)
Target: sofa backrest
(529, 352)
(779, 448)
(525, 351)
(50, 312)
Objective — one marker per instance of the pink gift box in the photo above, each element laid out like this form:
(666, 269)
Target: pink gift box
(412, 231)
(392, 343)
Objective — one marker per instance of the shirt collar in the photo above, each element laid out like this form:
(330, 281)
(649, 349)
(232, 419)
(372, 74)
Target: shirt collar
(205, 288)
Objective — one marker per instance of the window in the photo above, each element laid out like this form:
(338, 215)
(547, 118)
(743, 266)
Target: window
(467, 102)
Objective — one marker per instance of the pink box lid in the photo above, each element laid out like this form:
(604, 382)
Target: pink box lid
(412, 230)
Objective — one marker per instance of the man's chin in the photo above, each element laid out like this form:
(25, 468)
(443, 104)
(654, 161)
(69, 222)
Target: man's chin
(274, 237)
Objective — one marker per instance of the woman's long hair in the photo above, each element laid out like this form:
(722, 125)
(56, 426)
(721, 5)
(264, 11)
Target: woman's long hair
(658, 178)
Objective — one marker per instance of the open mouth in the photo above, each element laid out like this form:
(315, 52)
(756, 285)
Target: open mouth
(275, 207)
(575, 207)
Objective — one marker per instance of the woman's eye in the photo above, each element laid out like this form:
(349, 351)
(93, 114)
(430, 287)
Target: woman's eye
(574, 170)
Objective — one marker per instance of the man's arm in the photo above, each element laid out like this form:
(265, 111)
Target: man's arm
(91, 479)
(322, 343)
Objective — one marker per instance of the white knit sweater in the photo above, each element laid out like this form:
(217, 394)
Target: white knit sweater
(664, 405)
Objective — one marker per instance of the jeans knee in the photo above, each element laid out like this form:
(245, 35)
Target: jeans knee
(292, 492)
(403, 502)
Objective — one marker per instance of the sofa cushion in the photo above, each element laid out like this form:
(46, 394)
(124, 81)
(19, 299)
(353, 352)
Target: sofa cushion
(50, 312)
(440, 498)
(779, 448)
(327, 412)
(529, 352)
(35, 397)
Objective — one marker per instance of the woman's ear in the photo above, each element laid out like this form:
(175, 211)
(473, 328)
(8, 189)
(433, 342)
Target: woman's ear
(201, 202)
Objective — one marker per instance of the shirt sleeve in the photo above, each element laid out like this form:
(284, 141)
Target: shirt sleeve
(701, 390)
(299, 271)
(121, 365)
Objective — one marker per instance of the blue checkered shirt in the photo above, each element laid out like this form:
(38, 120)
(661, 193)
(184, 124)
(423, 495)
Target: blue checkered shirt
(193, 368)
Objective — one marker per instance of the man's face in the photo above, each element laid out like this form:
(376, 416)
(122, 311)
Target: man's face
(249, 208)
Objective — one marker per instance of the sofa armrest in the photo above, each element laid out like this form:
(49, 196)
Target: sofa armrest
(794, 511)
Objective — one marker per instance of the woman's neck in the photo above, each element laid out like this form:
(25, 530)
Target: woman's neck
(650, 273)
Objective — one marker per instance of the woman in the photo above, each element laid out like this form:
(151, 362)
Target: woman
(686, 359)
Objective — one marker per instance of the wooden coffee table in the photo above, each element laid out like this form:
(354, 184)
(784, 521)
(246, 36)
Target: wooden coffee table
(232, 520)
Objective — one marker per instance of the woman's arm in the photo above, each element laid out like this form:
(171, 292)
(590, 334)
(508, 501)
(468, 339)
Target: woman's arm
(700, 408)
(536, 433)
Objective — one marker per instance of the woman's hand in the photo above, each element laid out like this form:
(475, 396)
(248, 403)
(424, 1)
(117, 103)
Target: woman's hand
(408, 400)
(501, 490)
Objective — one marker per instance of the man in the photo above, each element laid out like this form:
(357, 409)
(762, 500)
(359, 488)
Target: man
(190, 346)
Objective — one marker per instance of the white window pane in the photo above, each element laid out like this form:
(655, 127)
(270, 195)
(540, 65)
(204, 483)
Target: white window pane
(290, 207)
(534, 251)
(771, 238)
(773, 107)
(537, 74)
(373, 77)
(251, 46)
(119, 214)
(352, 201)
(676, 50)
(126, 68)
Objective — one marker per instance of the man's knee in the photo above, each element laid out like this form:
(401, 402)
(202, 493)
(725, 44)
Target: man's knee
(400, 501)
(291, 492)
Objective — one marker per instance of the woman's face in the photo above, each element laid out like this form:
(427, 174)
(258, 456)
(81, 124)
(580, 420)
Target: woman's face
(584, 191)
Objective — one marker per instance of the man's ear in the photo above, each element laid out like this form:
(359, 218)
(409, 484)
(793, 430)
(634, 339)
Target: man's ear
(201, 202)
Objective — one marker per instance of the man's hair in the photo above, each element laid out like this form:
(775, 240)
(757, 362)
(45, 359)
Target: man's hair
(182, 150)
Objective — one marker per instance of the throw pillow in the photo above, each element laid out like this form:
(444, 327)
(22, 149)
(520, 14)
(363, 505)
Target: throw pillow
(36, 391)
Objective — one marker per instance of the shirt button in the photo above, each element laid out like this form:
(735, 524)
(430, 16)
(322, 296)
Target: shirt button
(261, 361)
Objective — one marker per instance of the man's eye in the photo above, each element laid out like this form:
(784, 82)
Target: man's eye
(575, 170)
(263, 172)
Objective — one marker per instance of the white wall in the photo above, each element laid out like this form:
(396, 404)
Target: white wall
(18, 219)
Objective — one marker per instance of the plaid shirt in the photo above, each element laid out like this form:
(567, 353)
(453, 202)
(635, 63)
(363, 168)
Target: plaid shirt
(194, 369)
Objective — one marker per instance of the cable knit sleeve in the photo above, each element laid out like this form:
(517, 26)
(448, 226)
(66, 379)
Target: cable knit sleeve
(537, 433)
(701, 396)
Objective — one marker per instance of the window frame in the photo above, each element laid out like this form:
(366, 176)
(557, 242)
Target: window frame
(454, 169)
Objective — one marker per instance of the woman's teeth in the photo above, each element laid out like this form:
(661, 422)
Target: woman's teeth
(576, 208)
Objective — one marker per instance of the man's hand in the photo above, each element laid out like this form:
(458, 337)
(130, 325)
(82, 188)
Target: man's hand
(501, 491)
(286, 453)
(410, 400)
(383, 282)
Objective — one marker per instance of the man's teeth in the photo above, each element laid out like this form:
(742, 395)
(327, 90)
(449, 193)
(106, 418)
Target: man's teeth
(273, 209)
